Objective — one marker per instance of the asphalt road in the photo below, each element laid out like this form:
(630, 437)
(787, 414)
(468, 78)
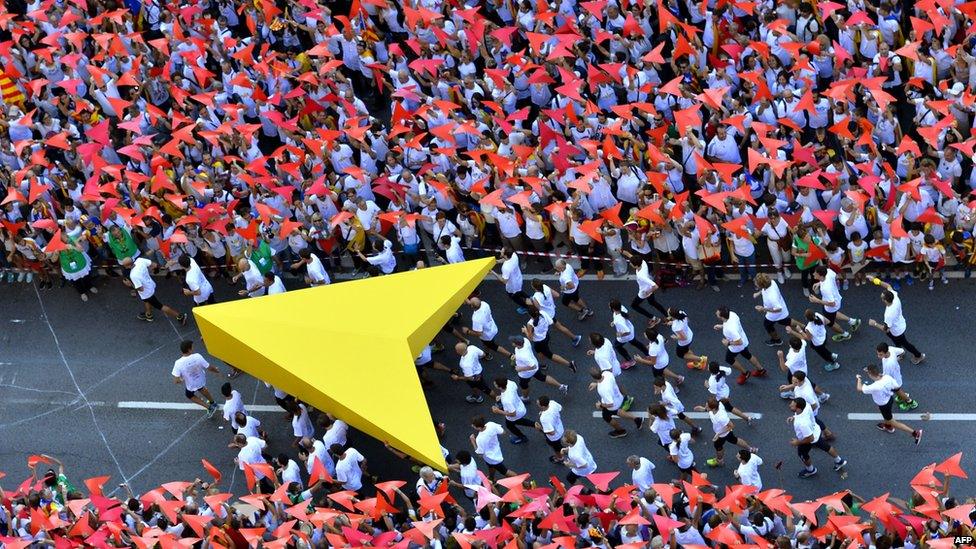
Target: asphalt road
(66, 365)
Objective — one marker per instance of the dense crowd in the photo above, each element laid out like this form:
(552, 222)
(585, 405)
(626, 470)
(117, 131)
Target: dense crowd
(631, 512)
(685, 141)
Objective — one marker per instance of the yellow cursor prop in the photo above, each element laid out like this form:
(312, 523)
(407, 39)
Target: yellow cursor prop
(349, 348)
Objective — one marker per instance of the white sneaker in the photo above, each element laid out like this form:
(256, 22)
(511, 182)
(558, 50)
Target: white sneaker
(29, 278)
(806, 292)
(21, 276)
(847, 284)
(824, 397)
(780, 278)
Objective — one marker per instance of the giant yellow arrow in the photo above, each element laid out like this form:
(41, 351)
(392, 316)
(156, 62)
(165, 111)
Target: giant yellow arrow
(348, 348)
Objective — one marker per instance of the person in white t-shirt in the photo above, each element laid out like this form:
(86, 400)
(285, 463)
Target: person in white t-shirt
(645, 288)
(527, 367)
(577, 457)
(254, 284)
(315, 274)
(485, 443)
(794, 360)
(808, 436)
(233, 404)
(537, 331)
(612, 402)
(191, 371)
(681, 333)
(350, 466)
(748, 470)
(829, 296)
(815, 331)
(197, 285)
(890, 357)
(142, 282)
(383, 261)
(657, 356)
(882, 390)
(273, 283)
(773, 308)
(569, 290)
(679, 452)
(737, 343)
(470, 372)
(671, 402)
(467, 468)
(544, 299)
(483, 325)
(894, 325)
(641, 472)
(511, 277)
(625, 334)
(718, 413)
(551, 424)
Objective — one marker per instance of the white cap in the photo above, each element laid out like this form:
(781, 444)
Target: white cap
(957, 88)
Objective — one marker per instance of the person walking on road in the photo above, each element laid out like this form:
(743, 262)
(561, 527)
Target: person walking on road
(831, 300)
(737, 343)
(894, 324)
(809, 436)
(143, 283)
(613, 403)
(882, 390)
(718, 413)
(191, 370)
(889, 357)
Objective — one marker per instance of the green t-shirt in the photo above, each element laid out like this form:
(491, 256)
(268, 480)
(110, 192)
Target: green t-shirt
(122, 247)
(262, 258)
(72, 260)
(800, 244)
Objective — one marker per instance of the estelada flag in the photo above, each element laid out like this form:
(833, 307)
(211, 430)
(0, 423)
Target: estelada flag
(10, 92)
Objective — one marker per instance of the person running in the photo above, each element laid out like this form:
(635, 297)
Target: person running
(894, 324)
(657, 356)
(718, 414)
(882, 390)
(485, 443)
(512, 409)
(773, 308)
(511, 277)
(191, 370)
(604, 353)
(577, 457)
(254, 282)
(661, 423)
(831, 299)
(537, 330)
(808, 436)
(748, 470)
(815, 331)
(233, 404)
(890, 357)
(570, 295)
(144, 285)
(737, 343)
(544, 299)
(551, 424)
(681, 333)
(645, 288)
(624, 333)
(613, 403)
(718, 387)
(800, 386)
(680, 453)
(527, 368)
(795, 360)
(471, 370)
(483, 326)
(673, 405)
(197, 285)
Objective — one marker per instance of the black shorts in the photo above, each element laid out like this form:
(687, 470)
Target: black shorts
(568, 298)
(770, 324)
(523, 382)
(831, 317)
(608, 414)
(719, 443)
(681, 350)
(681, 415)
(190, 394)
(886, 409)
(555, 445)
(499, 467)
(731, 355)
(542, 347)
(154, 302)
(658, 372)
(803, 450)
(727, 404)
(688, 470)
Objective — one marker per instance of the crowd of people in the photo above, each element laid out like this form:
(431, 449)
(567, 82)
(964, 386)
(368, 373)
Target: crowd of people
(683, 141)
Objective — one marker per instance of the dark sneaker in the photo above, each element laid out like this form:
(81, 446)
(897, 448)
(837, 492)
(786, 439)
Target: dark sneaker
(696, 431)
(145, 318)
(840, 465)
(212, 409)
(807, 473)
(639, 422)
(618, 433)
(576, 340)
(518, 440)
(475, 399)
(917, 435)
(181, 319)
(774, 342)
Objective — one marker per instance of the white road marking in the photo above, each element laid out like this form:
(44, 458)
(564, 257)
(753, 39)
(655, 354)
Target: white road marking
(149, 405)
(691, 415)
(914, 417)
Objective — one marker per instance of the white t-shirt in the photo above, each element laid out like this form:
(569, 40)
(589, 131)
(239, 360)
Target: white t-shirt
(193, 370)
(552, 421)
(511, 401)
(195, 280)
(623, 328)
(483, 322)
(540, 326)
(682, 451)
(252, 278)
(830, 292)
(276, 287)
(890, 365)
(882, 390)
(805, 424)
(681, 326)
(471, 361)
(606, 357)
(234, 404)
(348, 471)
(772, 298)
(512, 273)
(732, 331)
(662, 428)
(140, 277)
(643, 476)
(749, 472)
(796, 361)
(486, 443)
(568, 279)
(316, 271)
(610, 395)
(806, 391)
(718, 386)
(545, 302)
(659, 351)
(336, 434)
(818, 332)
(670, 400)
(581, 461)
(525, 357)
(645, 282)
(893, 317)
(720, 420)
(251, 454)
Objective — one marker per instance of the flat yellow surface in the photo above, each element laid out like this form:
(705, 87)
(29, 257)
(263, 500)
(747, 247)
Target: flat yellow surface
(348, 348)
